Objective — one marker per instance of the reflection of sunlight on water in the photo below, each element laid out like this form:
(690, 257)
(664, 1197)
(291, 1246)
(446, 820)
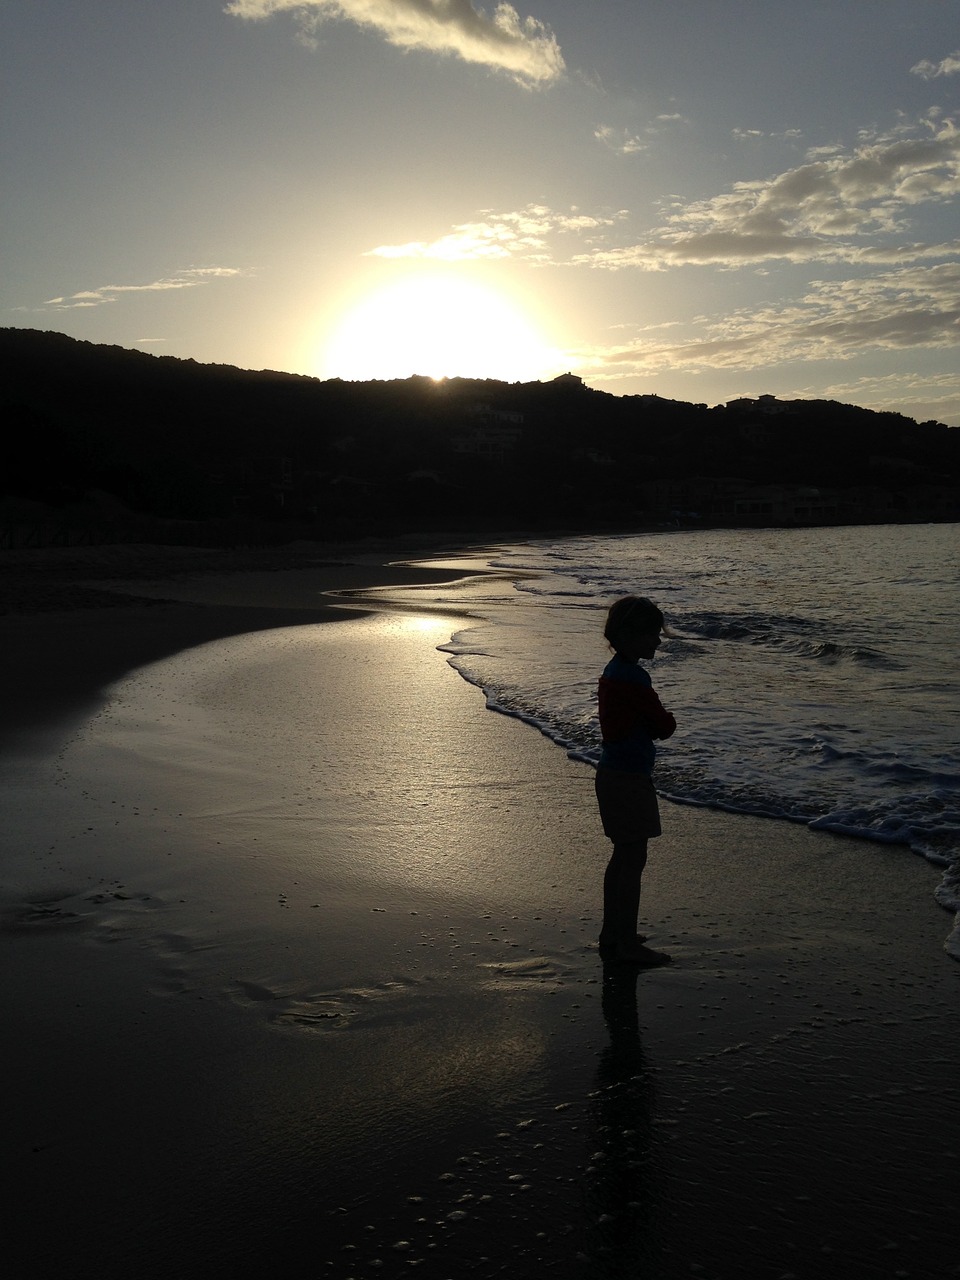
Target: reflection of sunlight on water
(425, 623)
(473, 597)
(332, 752)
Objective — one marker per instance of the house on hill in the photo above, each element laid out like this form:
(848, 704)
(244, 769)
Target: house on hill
(566, 380)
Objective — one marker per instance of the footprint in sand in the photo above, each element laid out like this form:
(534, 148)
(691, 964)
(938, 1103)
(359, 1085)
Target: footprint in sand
(104, 913)
(45, 913)
(532, 971)
(323, 1011)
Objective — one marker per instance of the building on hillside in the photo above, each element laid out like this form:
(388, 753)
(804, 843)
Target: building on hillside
(762, 404)
(787, 504)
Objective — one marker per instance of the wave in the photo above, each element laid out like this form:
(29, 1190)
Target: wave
(812, 677)
(783, 633)
(925, 818)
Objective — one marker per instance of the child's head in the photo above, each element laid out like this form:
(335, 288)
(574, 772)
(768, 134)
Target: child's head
(630, 617)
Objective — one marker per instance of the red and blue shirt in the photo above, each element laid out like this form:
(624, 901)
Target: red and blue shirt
(631, 717)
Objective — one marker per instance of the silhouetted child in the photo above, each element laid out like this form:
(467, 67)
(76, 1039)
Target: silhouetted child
(631, 717)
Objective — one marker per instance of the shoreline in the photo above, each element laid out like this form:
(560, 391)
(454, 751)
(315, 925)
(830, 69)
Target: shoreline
(66, 579)
(379, 1033)
(68, 637)
(44, 579)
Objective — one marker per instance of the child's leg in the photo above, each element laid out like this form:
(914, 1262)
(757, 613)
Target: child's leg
(621, 895)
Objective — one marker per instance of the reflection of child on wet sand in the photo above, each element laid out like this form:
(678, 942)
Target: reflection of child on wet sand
(631, 717)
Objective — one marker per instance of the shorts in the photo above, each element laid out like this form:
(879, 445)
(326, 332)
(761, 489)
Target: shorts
(628, 805)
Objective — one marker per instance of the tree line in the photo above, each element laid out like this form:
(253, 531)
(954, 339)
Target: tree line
(94, 429)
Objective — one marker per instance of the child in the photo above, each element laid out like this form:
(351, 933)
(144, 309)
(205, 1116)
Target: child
(631, 716)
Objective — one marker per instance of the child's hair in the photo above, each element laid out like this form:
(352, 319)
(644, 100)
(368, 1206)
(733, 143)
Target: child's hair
(633, 611)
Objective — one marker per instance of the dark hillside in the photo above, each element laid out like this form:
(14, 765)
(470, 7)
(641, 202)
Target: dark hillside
(97, 431)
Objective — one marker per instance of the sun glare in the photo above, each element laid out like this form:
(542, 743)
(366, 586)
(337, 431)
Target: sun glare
(441, 327)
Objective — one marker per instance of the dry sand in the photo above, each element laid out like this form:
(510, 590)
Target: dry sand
(300, 980)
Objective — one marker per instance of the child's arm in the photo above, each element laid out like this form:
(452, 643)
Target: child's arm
(659, 722)
(622, 704)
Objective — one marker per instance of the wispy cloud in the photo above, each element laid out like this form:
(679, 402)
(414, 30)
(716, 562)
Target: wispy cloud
(524, 234)
(845, 209)
(835, 320)
(833, 208)
(949, 66)
(920, 396)
(620, 141)
(625, 142)
(755, 135)
(522, 47)
(853, 207)
(188, 279)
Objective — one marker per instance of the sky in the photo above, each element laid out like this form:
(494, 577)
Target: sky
(698, 199)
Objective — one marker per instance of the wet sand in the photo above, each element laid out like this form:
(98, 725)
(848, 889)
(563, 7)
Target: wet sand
(300, 978)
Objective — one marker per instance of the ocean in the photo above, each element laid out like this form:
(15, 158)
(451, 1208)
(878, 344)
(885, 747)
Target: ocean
(813, 673)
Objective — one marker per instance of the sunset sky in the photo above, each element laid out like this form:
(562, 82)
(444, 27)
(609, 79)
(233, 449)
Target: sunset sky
(701, 199)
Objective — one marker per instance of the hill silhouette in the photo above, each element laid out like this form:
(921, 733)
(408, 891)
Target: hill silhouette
(101, 432)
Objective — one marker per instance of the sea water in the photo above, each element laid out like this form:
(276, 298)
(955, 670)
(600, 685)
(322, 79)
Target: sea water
(813, 673)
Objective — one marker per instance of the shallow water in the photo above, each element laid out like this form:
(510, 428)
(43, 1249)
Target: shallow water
(813, 672)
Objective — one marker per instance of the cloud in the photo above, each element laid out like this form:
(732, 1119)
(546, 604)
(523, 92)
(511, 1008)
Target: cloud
(836, 320)
(111, 292)
(930, 70)
(851, 207)
(624, 143)
(921, 396)
(752, 135)
(933, 398)
(826, 210)
(522, 47)
(839, 207)
(522, 234)
(620, 141)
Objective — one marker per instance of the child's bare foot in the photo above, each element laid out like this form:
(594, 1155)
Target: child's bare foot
(642, 957)
(608, 948)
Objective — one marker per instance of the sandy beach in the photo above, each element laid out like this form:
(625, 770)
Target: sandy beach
(300, 977)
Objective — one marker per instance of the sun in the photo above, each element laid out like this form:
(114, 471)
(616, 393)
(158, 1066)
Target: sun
(441, 326)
